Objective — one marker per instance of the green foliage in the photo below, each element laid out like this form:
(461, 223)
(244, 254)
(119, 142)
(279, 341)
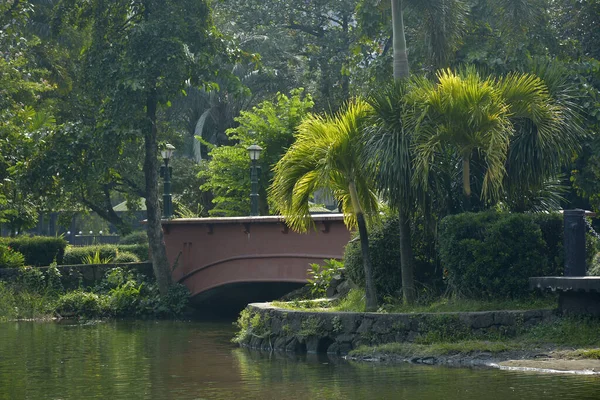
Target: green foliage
(82, 304)
(175, 302)
(140, 250)
(384, 247)
(573, 331)
(443, 328)
(491, 255)
(38, 250)
(310, 326)
(137, 237)
(250, 324)
(125, 294)
(10, 258)
(125, 257)
(271, 125)
(18, 304)
(354, 301)
(95, 259)
(78, 255)
(321, 275)
(32, 279)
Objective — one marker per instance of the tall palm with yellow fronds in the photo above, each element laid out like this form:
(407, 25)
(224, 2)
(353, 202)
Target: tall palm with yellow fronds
(326, 155)
(467, 113)
(511, 123)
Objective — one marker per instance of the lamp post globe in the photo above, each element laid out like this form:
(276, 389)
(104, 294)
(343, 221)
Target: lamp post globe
(254, 153)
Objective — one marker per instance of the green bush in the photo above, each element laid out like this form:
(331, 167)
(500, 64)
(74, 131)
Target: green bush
(38, 250)
(10, 258)
(491, 255)
(82, 304)
(384, 247)
(77, 255)
(322, 275)
(140, 250)
(126, 297)
(125, 257)
(138, 237)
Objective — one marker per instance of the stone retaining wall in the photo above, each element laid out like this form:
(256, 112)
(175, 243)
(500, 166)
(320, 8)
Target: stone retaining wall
(270, 328)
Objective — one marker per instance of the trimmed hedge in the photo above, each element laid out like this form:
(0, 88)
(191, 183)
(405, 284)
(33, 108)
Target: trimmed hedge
(138, 237)
(38, 250)
(76, 255)
(491, 255)
(125, 257)
(384, 247)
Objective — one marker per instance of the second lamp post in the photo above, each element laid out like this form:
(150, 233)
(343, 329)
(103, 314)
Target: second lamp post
(166, 154)
(254, 152)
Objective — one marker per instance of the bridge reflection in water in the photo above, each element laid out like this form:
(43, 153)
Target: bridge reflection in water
(227, 263)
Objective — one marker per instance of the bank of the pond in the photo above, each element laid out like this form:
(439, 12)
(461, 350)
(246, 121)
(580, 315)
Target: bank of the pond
(109, 292)
(487, 338)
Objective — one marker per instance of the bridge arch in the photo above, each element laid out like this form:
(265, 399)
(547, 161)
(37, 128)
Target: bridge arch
(248, 257)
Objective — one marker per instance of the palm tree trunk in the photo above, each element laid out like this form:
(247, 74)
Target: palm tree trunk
(406, 259)
(466, 163)
(370, 291)
(401, 70)
(156, 241)
(399, 41)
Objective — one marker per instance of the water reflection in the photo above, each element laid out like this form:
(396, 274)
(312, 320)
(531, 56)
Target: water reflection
(174, 360)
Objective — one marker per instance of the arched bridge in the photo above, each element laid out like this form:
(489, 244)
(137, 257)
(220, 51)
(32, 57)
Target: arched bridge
(229, 262)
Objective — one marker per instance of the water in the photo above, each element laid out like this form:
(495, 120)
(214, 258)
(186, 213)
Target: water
(175, 360)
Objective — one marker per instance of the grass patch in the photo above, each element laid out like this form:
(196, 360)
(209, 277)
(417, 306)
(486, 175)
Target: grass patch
(16, 304)
(579, 332)
(355, 302)
(436, 349)
(593, 354)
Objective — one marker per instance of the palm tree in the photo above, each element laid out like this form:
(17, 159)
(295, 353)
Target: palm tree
(545, 137)
(443, 21)
(518, 133)
(469, 114)
(388, 154)
(326, 155)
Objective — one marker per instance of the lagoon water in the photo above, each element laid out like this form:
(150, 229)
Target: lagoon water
(196, 360)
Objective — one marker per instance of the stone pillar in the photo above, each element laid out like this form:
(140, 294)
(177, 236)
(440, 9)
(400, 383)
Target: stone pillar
(574, 242)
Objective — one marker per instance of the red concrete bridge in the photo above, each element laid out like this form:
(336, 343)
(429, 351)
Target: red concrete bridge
(229, 262)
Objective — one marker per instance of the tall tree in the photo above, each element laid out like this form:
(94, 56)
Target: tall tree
(327, 155)
(271, 125)
(507, 123)
(138, 58)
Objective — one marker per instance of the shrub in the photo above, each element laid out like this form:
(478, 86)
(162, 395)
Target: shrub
(491, 255)
(384, 247)
(82, 304)
(77, 255)
(321, 275)
(125, 257)
(140, 250)
(176, 300)
(32, 280)
(138, 237)
(38, 250)
(95, 259)
(10, 258)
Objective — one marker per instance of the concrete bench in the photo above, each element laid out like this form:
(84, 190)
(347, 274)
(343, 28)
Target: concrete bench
(577, 295)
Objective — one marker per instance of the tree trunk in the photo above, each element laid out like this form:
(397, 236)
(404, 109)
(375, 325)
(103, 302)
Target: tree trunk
(466, 163)
(406, 259)
(160, 263)
(370, 291)
(399, 41)
(401, 70)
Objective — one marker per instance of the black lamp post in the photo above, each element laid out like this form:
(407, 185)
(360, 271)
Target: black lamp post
(254, 153)
(166, 154)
